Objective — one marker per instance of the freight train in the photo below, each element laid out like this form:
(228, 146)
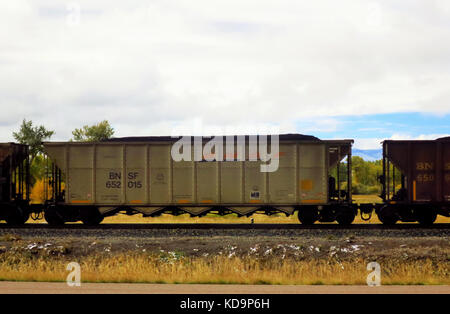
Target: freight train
(87, 181)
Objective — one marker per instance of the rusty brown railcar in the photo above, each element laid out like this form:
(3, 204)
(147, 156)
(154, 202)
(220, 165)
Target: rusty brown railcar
(14, 183)
(424, 188)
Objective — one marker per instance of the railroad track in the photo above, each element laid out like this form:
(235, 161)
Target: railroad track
(202, 226)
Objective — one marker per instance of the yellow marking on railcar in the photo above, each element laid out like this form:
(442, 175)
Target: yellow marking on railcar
(183, 201)
(206, 201)
(306, 185)
(136, 202)
(255, 201)
(414, 190)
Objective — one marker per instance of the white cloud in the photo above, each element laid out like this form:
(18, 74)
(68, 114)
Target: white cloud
(236, 64)
(368, 143)
(375, 143)
(419, 137)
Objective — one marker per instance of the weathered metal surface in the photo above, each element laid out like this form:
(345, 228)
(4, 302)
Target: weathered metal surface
(14, 174)
(18, 151)
(141, 174)
(426, 165)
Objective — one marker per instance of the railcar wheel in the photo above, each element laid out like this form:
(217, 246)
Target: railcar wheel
(92, 218)
(16, 216)
(93, 221)
(52, 217)
(17, 219)
(308, 216)
(25, 217)
(426, 217)
(345, 217)
(388, 216)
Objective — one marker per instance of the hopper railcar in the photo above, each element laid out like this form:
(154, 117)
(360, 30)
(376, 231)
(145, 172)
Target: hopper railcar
(423, 192)
(15, 207)
(138, 175)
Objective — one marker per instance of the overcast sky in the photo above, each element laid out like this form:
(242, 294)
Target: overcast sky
(367, 70)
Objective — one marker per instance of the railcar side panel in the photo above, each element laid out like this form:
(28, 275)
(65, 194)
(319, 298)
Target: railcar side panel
(446, 172)
(159, 163)
(144, 174)
(183, 182)
(231, 182)
(313, 173)
(109, 175)
(423, 166)
(255, 183)
(207, 182)
(282, 183)
(80, 178)
(136, 174)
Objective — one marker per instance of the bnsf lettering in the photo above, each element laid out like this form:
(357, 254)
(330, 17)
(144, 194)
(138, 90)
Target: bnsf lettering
(425, 178)
(134, 184)
(447, 166)
(114, 180)
(113, 184)
(115, 175)
(424, 166)
(132, 175)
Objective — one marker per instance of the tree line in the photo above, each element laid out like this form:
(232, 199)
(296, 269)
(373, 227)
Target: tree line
(365, 176)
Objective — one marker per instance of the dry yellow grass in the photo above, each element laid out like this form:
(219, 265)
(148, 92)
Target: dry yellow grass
(220, 269)
(367, 199)
(185, 218)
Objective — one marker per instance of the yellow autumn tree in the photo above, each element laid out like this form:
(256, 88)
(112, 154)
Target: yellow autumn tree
(37, 195)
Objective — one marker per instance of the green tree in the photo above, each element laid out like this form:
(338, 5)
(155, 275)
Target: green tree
(32, 136)
(361, 170)
(37, 169)
(94, 133)
(366, 173)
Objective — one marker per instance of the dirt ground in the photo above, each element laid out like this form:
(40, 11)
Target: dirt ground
(380, 245)
(63, 288)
